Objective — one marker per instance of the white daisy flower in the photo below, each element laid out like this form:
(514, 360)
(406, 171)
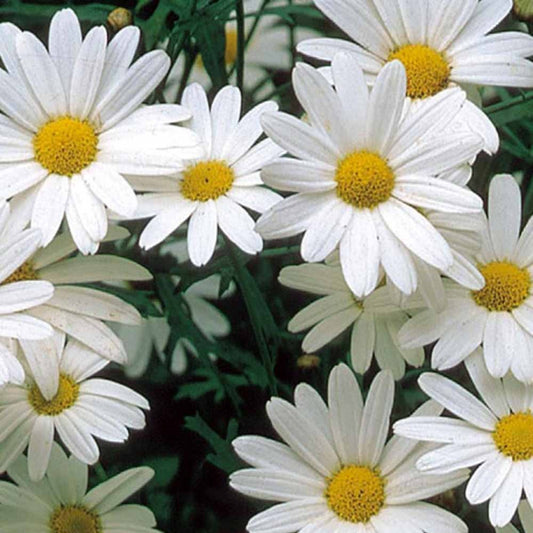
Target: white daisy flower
(500, 315)
(212, 190)
(526, 517)
(268, 49)
(496, 434)
(73, 125)
(59, 395)
(18, 296)
(60, 502)
(441, 44)
(336, 473)
(139, 341)
(362, 172)
(77, 310)
(374, 320)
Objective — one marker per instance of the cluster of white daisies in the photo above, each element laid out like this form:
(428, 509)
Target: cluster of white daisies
(396, 245)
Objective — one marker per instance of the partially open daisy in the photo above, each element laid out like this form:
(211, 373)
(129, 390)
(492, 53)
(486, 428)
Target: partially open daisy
(335, 473)
(500, 315)
(59, 395)
(73, 125)
(496, 434)
(79, 310)
(526, 518)
(362, 172)
(374, 320)
(60, 502)
(441, 44)
(212, 190)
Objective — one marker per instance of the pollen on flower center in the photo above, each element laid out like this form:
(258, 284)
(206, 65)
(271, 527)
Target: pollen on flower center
(427, 70)
(356, 493)
(66, 396)
(513, 436)
(24, 272)
(506, 286)
(65, 146)
(207, 180)
(75, 519)
(364, 180)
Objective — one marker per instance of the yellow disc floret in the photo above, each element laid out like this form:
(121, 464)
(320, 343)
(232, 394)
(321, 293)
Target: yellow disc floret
(74, 519)
(513, 436)
(24, 272)
(356, 493)
(506, 286)
(66, 396)
(65, 146)
(364, 180)
(207, 180)
(427, 70)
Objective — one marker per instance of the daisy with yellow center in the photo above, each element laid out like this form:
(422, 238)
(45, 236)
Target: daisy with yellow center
(212, 191)
(335, 473)
(499, 315)
(74, 126)
(363, 170)
(495, 433)
(61, 397)
(373, 321)
(21, 292)
(78, 310)
(441, 45)
(62, 503)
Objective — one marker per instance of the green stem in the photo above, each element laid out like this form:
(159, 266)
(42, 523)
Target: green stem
(100, 472)
(245, 282)
(501, 106)
(241, 44)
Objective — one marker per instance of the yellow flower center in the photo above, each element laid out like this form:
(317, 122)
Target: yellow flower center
(230, 54)
(356, 493)
(506, 286)
(24, 272)
(513, 436)
(427, 70)
(65, 146)
(364, 180)
(74, 519)
(66, 396)
(207, 180)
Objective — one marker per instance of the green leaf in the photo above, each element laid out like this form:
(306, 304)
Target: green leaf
(165, 468)
(223, 457)
(514, 109)
(211, 40)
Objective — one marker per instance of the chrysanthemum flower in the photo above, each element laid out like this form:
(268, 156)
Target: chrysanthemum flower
(362, 172)
(59, 395)
(496, 434)
(336, 473)
(526, 518)
(500, 315)
(212, 190)
(374, 320)
(60, 503)
(74, 126)
(441, 44)
(77, 310)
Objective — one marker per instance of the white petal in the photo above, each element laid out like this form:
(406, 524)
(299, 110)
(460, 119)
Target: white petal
(202, 233)
(504, 214)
